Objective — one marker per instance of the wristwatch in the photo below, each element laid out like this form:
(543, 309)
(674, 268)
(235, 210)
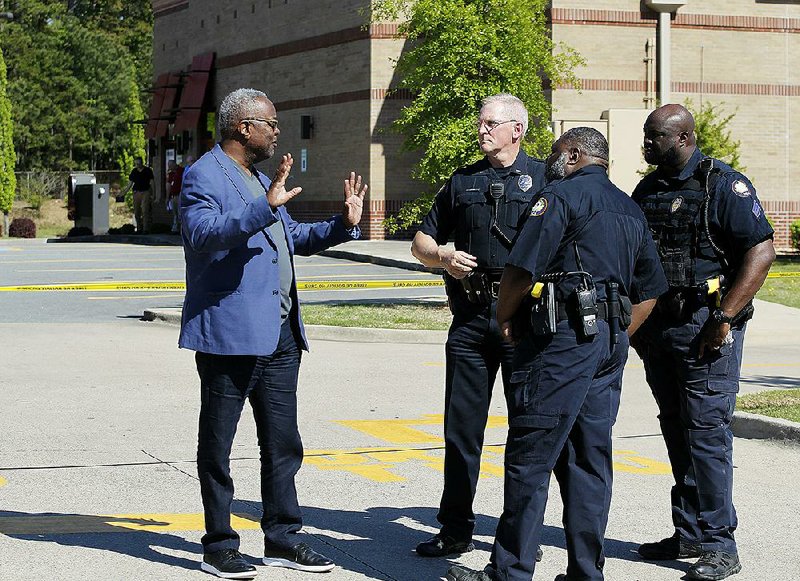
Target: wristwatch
(720, 317)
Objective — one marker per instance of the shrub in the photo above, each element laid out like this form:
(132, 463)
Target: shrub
(159, 228)
(38, 186)
(22, 228)
(124, 229)
(80, 231)
(794, 230)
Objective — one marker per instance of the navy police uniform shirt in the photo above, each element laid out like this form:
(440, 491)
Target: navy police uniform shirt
(465, 208)
(613, 239)
(737, 221)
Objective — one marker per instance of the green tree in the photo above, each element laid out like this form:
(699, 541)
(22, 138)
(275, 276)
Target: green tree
(76, 69)
(134, 145)
(711, 127)
(460, 51)
(8, 158)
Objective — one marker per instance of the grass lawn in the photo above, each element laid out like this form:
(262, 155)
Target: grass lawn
(779, 403)
(388, 316)
(785, 291)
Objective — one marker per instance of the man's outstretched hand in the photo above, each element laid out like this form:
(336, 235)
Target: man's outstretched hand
(353, 200)
(277, 194)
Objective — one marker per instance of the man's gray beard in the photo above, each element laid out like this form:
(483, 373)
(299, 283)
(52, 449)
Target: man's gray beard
(558, 170)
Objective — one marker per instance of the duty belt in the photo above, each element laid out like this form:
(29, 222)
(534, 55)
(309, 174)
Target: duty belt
(563, 310)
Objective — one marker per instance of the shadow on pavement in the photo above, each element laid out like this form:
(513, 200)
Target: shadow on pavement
(386, 537)
(778, 381)
(100, 532)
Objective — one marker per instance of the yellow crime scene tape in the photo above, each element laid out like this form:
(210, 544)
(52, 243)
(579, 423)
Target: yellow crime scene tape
(318, 285)
(174, 285)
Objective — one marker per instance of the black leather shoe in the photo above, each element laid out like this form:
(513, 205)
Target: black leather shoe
(439, 546)
(300, 557)
(539, 554)
(715, 565)
(561, 577)
(459, 573)
(669, 549)
(228, 564)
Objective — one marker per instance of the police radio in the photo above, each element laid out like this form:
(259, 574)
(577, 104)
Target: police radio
(496, 192)
(585, 300)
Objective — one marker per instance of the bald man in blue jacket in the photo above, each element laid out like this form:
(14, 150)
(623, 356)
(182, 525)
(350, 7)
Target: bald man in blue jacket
(241, 316)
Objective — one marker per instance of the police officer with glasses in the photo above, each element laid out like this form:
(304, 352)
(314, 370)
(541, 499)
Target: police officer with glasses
(480, 206)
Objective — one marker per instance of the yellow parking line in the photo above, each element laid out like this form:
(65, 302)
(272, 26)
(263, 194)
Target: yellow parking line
(143, 268)
(72, 260)
(114, 523)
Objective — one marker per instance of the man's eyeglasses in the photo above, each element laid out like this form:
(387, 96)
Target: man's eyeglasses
(272, 121)
(490, 124)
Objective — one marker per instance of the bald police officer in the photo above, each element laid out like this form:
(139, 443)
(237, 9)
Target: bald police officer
(716, 248)
(587, 246)
(480, 205)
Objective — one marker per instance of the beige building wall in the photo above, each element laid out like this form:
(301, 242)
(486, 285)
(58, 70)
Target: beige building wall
(741, 55)
(316, 57)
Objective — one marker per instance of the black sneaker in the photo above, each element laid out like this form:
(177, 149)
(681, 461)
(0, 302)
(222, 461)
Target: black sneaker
(439, 546)
(715, 565)
(539, 554)
(669, 549)
(300, 557)
(561, 577)
(228, 564)
(459, 573)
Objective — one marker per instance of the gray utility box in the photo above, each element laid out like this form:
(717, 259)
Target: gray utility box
(88, 202)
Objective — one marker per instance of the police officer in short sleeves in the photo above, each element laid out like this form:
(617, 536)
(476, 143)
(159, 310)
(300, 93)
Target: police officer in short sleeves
(481, 206)
(587, 242)
(716, 248)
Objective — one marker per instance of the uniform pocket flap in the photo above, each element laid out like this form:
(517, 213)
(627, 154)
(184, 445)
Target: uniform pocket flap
(540, 421)
(520, 376)
(471, 197)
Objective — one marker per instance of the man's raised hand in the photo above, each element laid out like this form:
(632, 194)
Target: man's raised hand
(277, 194)
(353, 200)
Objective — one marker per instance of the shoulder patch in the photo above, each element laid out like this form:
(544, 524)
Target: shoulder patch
(539, 208)
(756, 209)
(525, 182)
(740, 188)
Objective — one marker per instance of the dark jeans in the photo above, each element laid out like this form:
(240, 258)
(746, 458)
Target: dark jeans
(270, 383)
(564, 399)
(474, 353)
(696, 399)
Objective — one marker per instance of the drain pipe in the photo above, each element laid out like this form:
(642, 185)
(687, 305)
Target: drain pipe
(664, 52)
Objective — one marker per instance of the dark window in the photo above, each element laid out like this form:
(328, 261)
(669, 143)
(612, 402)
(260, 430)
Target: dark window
(253, 9)
(235, 14)
(217, 18)
(202, 23)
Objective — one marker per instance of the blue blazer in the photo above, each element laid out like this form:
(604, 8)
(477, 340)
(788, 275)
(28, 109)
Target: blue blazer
(232, 304)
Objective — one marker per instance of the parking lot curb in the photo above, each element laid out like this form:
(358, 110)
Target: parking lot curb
(760, 427)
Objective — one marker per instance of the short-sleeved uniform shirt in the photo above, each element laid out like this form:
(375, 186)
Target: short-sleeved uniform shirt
(736, 219)
(464, 207)
(141, 179)
(613, 240)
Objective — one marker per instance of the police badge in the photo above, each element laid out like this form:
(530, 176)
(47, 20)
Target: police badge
(676, 203)
(525, 182)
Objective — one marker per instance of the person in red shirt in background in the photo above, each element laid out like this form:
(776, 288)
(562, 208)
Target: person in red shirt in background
(174, 181)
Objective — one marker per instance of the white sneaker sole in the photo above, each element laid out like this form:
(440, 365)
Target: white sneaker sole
(214, 571)
(278, 562)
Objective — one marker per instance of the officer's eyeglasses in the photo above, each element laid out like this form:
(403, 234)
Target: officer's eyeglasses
(490, 124)
(272, 121)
